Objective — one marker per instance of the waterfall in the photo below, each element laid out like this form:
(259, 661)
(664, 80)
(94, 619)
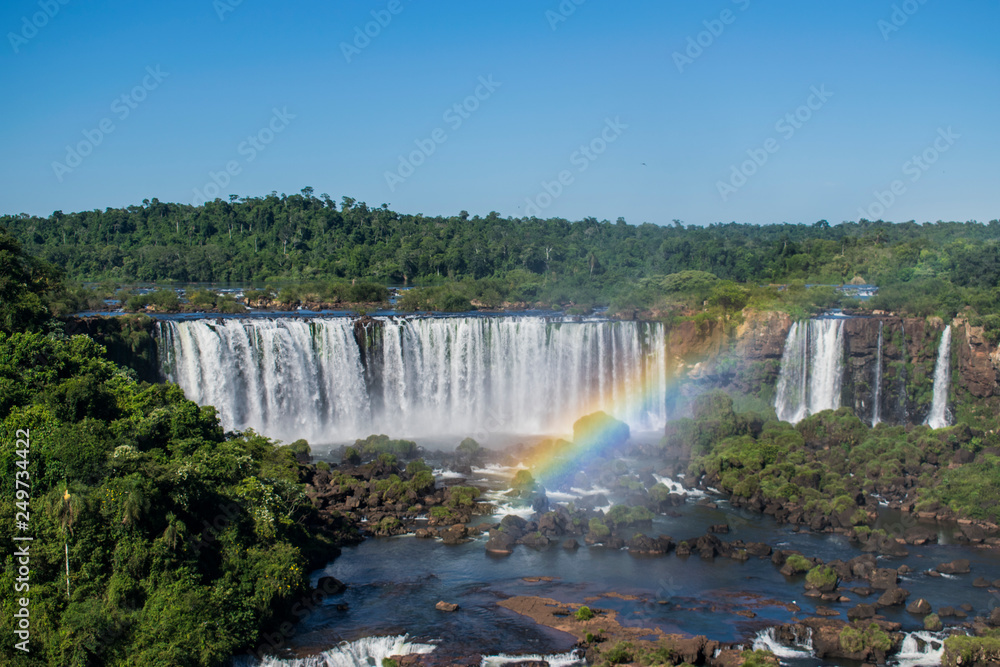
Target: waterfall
(293, 378)
(939, 416)
(877, 407)
(812, 369)
(359, 653)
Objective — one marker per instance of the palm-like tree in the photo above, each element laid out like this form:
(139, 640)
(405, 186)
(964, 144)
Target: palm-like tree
(64, 507)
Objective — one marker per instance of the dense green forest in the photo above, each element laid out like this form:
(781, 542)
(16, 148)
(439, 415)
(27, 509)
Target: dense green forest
(463, 261)
(182, 544)
(301, 237)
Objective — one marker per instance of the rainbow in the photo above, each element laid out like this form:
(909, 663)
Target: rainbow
(596, 434)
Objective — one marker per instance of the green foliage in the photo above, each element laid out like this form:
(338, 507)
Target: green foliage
(932, 623)
(598, 529)
(821, 576)
(584, 614)
(352, 456)
(523, 480)
(619, 654)
(858, 638)
(375, 445)
(623, 515)
(966, 650)
(759, 658)
(461, 497)
(167, 521)
(389, 662)
(799, 563)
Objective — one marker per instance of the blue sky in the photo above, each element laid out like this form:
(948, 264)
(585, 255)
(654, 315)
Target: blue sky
(592, 94)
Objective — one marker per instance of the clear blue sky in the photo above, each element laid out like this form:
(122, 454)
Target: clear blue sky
(894, 93)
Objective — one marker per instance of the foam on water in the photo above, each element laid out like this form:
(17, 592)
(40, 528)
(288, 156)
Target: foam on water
(366, 652)
(556, 660)
(910, 654)
(677, 487)
(765, 640)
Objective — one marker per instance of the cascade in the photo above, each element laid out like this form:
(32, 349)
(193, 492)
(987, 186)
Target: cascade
(812, 369)
(293, 378)
(877, 400)
(939, 416)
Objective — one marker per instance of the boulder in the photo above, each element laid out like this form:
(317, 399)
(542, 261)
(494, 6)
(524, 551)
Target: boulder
(330, 586)
(571, 545)
(884, 578)
(892, 597)
(958, 566)
(861, 610)
(446, 606)
(920, 607)
(982, 582)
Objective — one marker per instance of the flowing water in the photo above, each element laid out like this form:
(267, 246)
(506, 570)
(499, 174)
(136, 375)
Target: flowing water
(939, 416)
(877, 399)
(295, 378)
(812, 369)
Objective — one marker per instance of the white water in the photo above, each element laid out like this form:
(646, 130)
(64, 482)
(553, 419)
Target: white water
(365, 652)
(556, 660)
(877, 407)
(812, 369)
(939, 416)
(911, 656)
(470, 376)
(766, 641)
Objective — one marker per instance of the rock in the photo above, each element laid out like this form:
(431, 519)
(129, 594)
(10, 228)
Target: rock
(534, 541)
(884, 578)
(758, 549)
(571, 545)
(892, 597)
(959, 566)
(446, 606)
(500, 542)
(920, 607)
(965, 606)
(862, 611)
(994, 618)
(945, 612)
(330, 586)
(972, 532)
(826, 611)
(982, 582)
(863, 591)
(720, 528)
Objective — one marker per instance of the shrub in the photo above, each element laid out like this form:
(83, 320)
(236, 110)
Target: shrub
(822, 577)
(799, 563)
(584, 613)
(598, 529)
(352, 456)
(619, 654)
(932, 623)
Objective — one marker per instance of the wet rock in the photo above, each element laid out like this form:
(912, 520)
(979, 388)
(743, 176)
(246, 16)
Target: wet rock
(892, 597)
(535, 540)
(863, 591)
(982, 582)
(883, 579)
(826, 611)
(861, 610)
(500, 542)
(958, 566)
(972, 532)
(920, 607)
(994, 618)
(946, 612)
(758, 549)
(571, 545)
(966, 607)
(330, 586)
(446, 606)
(720, 528)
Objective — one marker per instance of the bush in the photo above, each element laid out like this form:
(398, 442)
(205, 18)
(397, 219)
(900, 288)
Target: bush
(799, 563)
(822, 577)
(859, 639)
(619, 654)
(584, 613)
(598, 529)
(352, 456)
(932, 623)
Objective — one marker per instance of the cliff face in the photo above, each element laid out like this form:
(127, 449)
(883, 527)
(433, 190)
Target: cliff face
(889, 363)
